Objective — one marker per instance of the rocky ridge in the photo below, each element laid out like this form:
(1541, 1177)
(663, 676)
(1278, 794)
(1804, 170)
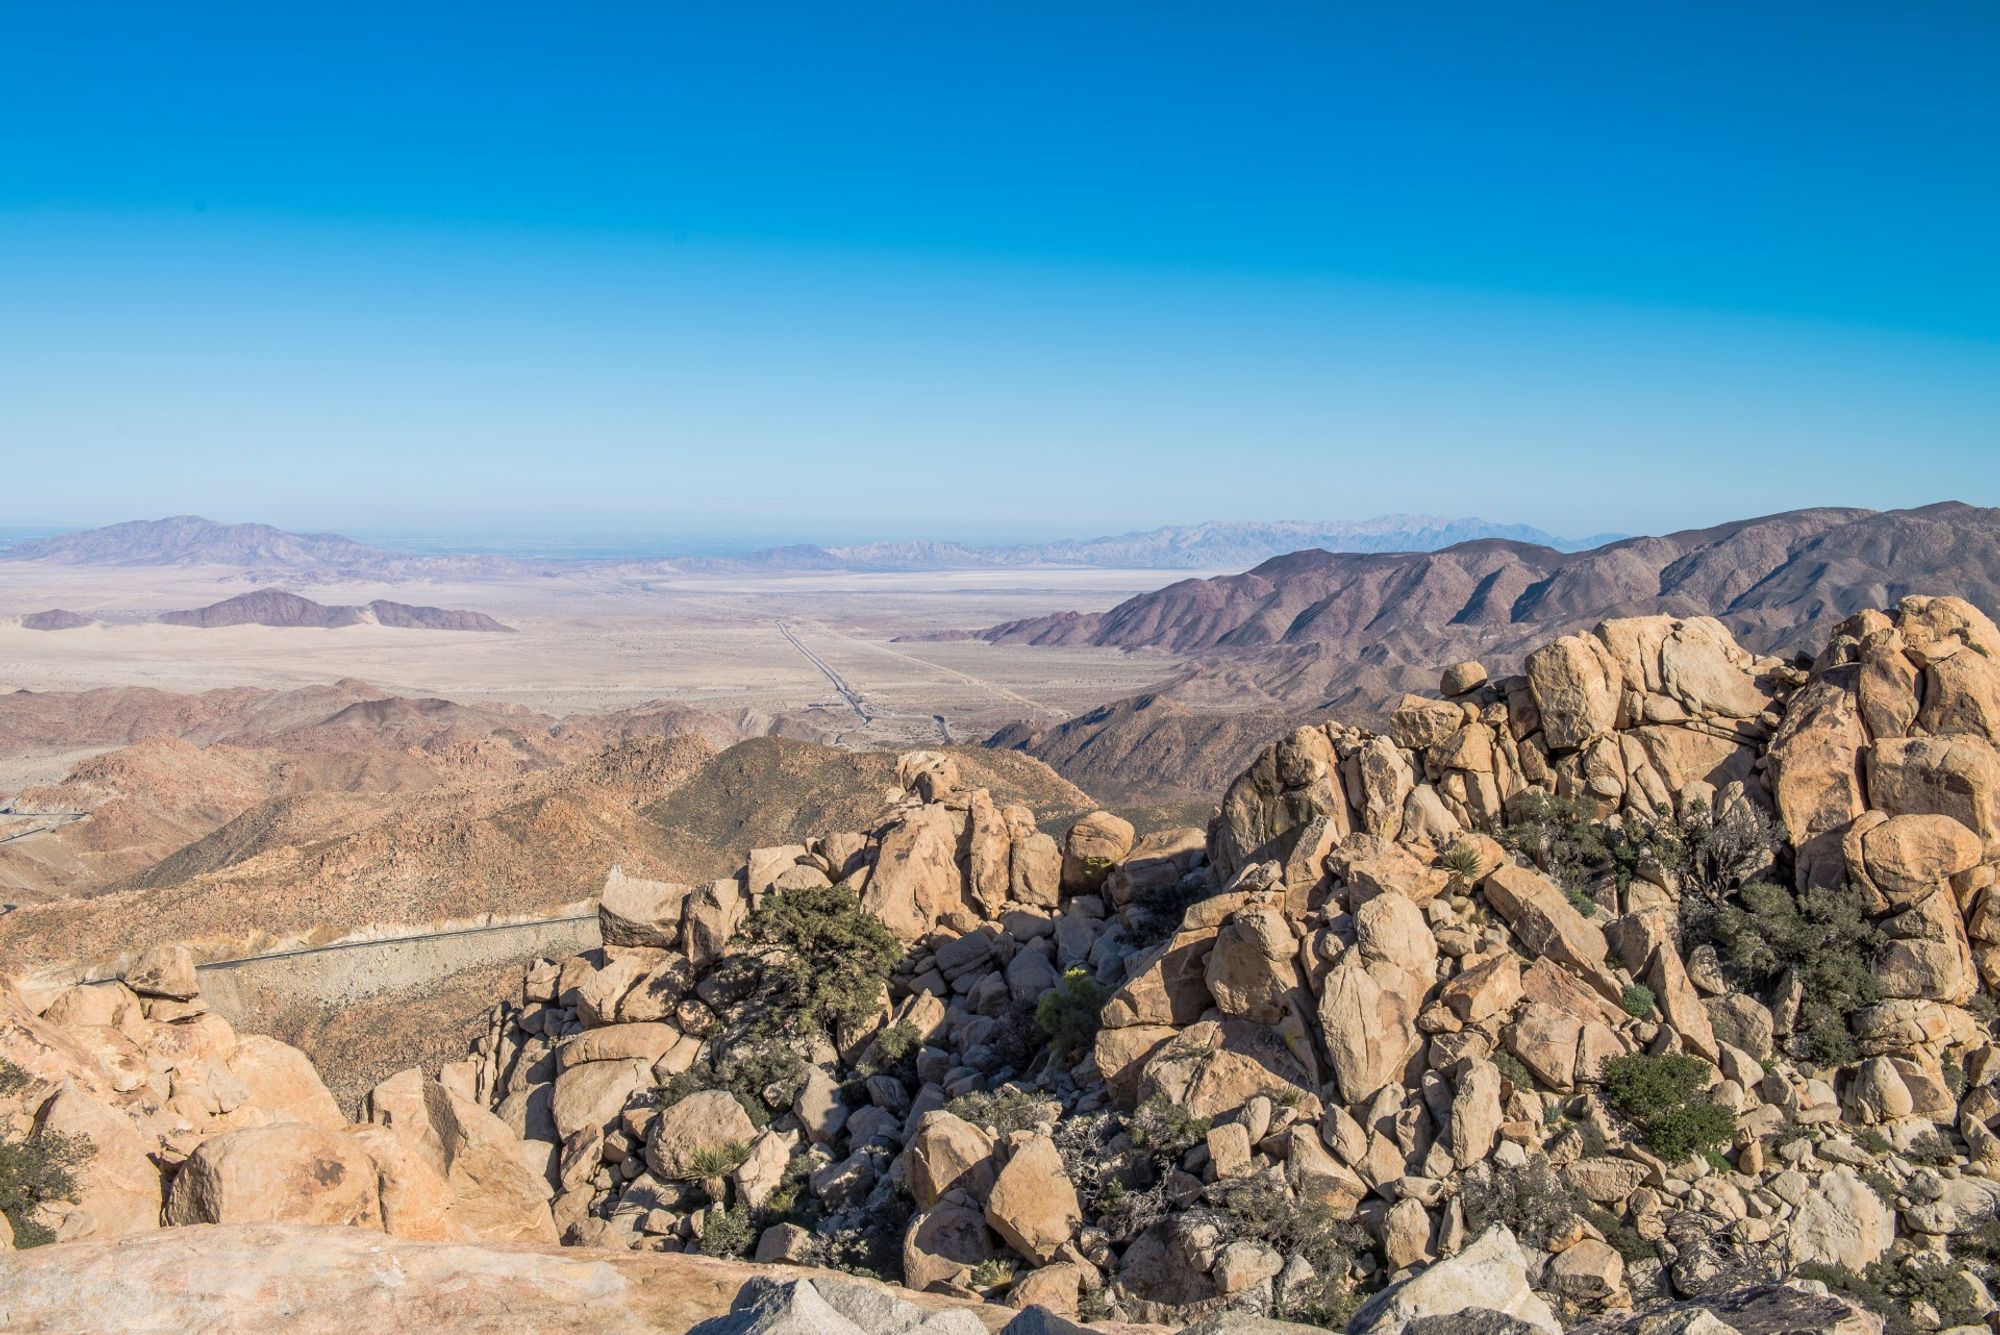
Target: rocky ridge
(1510, 1015)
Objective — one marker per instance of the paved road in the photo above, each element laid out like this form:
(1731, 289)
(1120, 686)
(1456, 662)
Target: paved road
(847, 692)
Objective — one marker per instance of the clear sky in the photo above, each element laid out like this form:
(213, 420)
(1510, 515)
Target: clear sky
(994, 270)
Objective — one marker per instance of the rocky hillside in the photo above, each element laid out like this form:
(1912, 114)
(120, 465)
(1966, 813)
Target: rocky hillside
(1646, 989)
(1314, 632)
(188, 540)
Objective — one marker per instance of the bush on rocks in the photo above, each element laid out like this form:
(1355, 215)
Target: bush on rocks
(1821, 936)
(1665, 1098)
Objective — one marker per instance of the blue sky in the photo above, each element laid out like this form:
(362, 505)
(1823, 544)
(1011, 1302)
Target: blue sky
(986, 271)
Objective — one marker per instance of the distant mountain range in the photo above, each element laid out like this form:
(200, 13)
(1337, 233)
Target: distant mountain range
(1313, 632)
(275, 607)
(262, 549)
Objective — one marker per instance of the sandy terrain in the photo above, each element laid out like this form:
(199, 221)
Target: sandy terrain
(603, 641)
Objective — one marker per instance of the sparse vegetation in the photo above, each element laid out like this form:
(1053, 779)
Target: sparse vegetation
(1638, 1001)
(1156, 911)
(1891, 1290)
(1666, 1099)
(1822, 937)
(715, 1161)
(1461, 860)
(992, 1273)
(1164, 1127)
(1003, 1111)
(1263, 1211)
(1068, 1012)
(1513, 1070)
(36, 1169)
(727, 1232)
(1930, 1150)
(1531, 1200)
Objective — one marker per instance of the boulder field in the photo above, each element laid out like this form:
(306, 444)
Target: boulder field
(1645, 990)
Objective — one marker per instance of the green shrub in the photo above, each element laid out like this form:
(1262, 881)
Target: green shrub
(1868, 1138)
(760, 1070)
(12, 1078)
(992, 1273)
(1003, 1112)
(1666, 1099)
(1068, 1012)
(1931, 1150)
(1560, 835)
(1164, 1127)
(822, 961)
(34, 1170)
(727, 1232)
(1513, 1070)
(1638, 1001)
(1822, 936)
(1622, 1237)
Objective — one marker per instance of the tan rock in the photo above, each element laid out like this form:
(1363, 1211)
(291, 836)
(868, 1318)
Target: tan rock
(1056, 1288)
(1212, 1069)
(715, 911)
(1370, 1030)
(1096, 843)
(415, 1200)
(989, 867)
(1588, 1271)
(633, 911)
(944, 1244)
(1956, 776)
(165, 971)
(617, 1042)
(1548, 925)
(290, 1173)
(709, 1120)
(595, 1093)
(1489, 988)
(1121, 1055)
(1908, 857)
(1033, 1206)
(1841, 1222)
(1814, 767)
(1035, 870)
(1680, 1003)
(946, 1153)
(916, 879)
(118, 1188)
(1476, 1112)
(281, 1080)
(1576, 685)
(1252, 972)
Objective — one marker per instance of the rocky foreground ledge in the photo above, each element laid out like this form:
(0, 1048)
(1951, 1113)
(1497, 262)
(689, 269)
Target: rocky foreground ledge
(282, 1279)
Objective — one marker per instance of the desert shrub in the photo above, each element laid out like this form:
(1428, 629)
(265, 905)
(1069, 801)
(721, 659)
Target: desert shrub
(1001, 1112)
(34, 1170)
(821, 961)
(761, 1070)
(894, 1052)
(1622, 1237)
(727, 1232)
(1868, 1138)
(12, 1078)
(1560, 835)
(1822, 936)
(1068, 1012)
(1531, 1200)
(1931, 1150)
(1259, 1210)
(1666, 1099)
(874, 1247)
(1638, 1001)
(1889, 1290)
(1514, 1070)
(1156, 911)
(1164, 1128)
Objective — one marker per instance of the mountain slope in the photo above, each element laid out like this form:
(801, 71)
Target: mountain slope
(1315, 631)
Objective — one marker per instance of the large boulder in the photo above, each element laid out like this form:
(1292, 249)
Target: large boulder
(916, 878)
(1033, 1206)
(1842, 1222)
(281, 1080)
(632, 911)
(1490, 1274)
(1370, 1030)
(1095, 845)
(290, 1173)
(1576, 684)
(118, 1188)
(708, 1120)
